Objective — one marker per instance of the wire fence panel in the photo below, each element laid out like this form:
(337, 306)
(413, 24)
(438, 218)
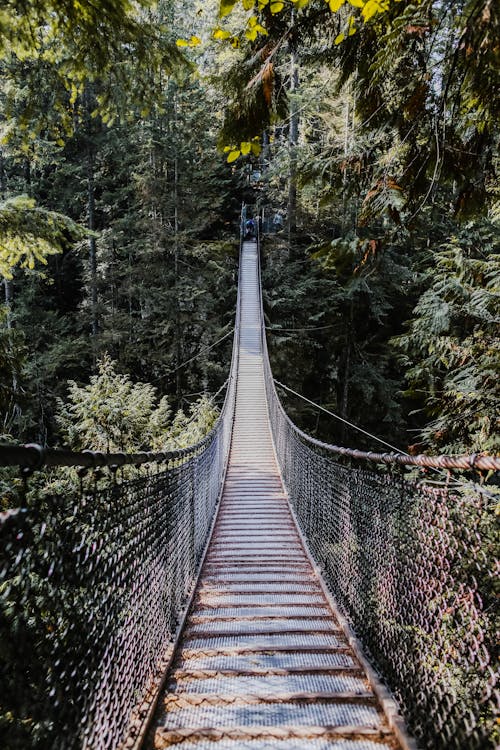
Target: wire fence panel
(413, 567)
(92, 586)
(92, 583)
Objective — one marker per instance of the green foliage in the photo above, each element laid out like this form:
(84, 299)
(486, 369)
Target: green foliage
(189, 429)
(353, 12)
(254, 100)
(394, 153)
(61, 63)
(12, 361)
(112, 414)
(29, 234)
(339, 308)
(74, 43)
(451, 352)
(164, 287)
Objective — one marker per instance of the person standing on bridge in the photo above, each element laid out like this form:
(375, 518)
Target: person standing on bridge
(249, 229)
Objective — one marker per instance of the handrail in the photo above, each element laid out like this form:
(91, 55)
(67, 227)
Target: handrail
(34, 456)
(474, 461)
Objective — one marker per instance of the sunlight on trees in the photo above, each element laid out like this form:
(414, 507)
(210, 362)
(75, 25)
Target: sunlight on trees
(29, 234)
(113, 414)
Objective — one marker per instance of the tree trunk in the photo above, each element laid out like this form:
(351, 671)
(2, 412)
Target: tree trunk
(3, 177)
(8, 286)
(346, 152)
(7, 283)
(27, 175)
(92, 244)
(130, 299)
(91, 217)
(292, 145)
(344, 403)
(16, 409)
(178, 332)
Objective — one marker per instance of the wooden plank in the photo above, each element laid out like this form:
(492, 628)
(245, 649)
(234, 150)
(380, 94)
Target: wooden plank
(185, 699)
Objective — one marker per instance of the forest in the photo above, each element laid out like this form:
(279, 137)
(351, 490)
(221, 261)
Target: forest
(365, 137)
(361, 136)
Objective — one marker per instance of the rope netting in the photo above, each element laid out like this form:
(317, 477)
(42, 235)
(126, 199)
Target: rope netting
(412, 565)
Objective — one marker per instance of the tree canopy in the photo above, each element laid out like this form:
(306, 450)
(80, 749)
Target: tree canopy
(132, 131)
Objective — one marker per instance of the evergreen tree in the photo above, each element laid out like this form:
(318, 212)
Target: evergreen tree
(395, 152)
(112, 414)
(450, 353)
(150, 282)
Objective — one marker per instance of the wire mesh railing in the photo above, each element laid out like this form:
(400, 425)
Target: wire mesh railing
(93, 576)
(413, 565)
(92, 585)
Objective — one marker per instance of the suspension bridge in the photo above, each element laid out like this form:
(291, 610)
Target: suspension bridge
(230, 596)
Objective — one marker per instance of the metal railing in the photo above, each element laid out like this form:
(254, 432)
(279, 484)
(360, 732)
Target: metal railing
(93, 577)
(412, 565)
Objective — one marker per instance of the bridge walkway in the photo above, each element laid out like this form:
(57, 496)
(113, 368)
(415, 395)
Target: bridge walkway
(263, 662)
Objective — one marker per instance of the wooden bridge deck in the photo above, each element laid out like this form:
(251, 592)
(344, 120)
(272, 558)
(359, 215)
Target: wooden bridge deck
(263, 661)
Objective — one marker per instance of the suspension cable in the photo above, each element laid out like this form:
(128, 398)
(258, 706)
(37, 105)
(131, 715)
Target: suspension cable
(274, 329)
(204, 350)
(341, 419)
(437, 463)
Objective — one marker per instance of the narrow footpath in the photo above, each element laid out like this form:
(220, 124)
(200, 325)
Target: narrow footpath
(263, 661)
